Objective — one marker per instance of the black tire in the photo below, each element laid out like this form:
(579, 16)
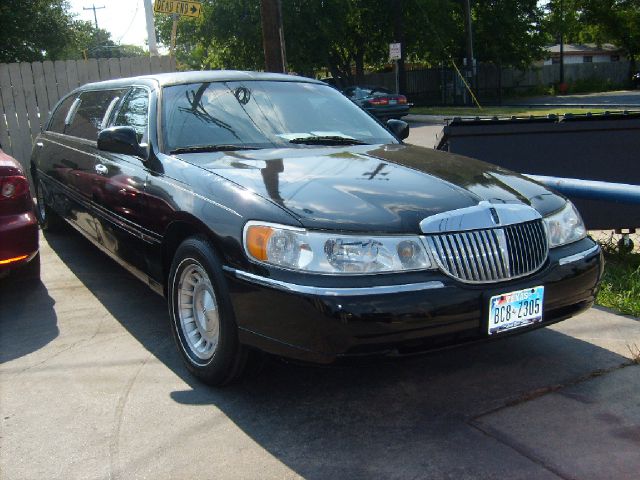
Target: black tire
(194, 258)
(49, 220)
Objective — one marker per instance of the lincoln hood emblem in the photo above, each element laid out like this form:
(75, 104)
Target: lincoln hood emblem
(481, 216)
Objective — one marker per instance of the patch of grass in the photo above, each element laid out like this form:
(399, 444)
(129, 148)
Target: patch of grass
(501, 111)
(620, 287)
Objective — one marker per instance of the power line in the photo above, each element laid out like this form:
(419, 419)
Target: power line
(130, 23)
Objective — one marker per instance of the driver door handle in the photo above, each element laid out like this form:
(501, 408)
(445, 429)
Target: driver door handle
(101, 169)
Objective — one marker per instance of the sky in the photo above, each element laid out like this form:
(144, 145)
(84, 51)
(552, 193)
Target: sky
(124, 19)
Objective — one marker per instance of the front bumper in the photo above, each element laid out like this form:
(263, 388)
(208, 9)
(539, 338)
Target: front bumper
(322, 322)
(18, 240)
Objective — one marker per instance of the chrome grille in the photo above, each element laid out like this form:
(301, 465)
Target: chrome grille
(491, 255)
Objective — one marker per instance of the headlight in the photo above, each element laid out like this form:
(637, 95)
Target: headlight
(564, 227)
(329, 253)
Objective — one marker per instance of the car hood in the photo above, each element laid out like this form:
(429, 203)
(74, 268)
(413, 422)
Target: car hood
(375, 188)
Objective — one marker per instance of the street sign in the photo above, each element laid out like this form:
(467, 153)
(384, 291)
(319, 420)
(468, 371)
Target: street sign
(395, 51)
(178, 7)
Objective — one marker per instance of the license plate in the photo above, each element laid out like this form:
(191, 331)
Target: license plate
(515, 309)
(392, 102)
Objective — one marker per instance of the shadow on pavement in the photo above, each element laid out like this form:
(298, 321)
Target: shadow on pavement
(34, 329)
(397, 418)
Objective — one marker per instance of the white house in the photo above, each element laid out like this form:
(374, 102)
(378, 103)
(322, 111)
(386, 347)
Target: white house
(585, 53)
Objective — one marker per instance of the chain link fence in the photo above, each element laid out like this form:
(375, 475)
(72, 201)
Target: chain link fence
(615, 241)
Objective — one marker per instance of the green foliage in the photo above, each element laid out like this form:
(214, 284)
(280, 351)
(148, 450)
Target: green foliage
(86, 40)
(620, 287)
(340, 35)
(508, 32)
(434, 30)
(591, 84)
(318, 33)
(617, 21)
(227, 35)
(595, 21)
(344, 37)
(566, 18)
(33, 30)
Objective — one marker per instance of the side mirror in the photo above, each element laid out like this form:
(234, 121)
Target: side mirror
(120, 140)
(399, 128)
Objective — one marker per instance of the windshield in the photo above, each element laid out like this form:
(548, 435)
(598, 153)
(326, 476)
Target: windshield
(263, 114)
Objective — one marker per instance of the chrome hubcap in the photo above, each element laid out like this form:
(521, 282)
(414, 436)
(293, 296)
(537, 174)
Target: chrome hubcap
(198, 311)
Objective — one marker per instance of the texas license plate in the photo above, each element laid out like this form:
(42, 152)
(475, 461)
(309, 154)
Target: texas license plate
(515, 309)
(392, 102)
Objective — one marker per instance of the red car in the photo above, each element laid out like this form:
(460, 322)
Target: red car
(18, 224)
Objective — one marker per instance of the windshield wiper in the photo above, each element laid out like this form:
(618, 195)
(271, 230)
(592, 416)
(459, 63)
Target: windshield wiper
(327, 140)
(213, 148)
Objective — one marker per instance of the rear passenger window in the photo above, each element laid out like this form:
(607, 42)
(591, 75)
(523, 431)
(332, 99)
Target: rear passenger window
(135, 112)
(57, 119)
(87, 121)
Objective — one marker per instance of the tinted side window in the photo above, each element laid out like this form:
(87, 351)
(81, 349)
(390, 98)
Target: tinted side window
(58, 117)
(135, 112)
(88, 118)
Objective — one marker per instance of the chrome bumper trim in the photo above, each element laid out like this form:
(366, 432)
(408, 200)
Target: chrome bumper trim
(579, 256)
(330, 291)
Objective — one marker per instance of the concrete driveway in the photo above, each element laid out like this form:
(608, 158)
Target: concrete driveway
(91, 387)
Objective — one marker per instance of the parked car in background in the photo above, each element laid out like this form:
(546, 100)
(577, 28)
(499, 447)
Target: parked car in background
(379, 101)
(635, 80)
(275, 215)
(18, 224)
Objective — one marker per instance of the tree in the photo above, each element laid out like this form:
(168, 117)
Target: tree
(616, 21)
(568, 17)
(365, 30)
(318, 34)
(508, 33)
(87, 41)
(227, 35)
(32, 30)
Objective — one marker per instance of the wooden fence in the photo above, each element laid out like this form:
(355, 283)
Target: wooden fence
(28, 92)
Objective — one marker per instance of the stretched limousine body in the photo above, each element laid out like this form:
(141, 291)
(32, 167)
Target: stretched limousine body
(276, 215)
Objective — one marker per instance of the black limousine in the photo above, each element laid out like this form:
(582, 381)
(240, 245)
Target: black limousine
(277, 216)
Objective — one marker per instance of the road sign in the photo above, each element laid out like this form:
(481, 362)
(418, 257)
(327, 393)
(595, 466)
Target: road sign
(188, 9)
(395, 51)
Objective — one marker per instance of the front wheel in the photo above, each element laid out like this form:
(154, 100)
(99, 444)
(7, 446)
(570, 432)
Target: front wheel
(201, 315)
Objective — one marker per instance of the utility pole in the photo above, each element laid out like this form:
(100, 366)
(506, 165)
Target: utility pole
(151, 28)
(561, 42)
(398, 33)
(95, 15)
(469, 71)
(275, 58)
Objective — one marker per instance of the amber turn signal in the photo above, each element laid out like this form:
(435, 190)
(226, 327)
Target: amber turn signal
(257, 238)
(12, 260)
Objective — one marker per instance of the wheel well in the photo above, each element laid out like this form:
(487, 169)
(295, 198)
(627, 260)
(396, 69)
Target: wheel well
(177, 233)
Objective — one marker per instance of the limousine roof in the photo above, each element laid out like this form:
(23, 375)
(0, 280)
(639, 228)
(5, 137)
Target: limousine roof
(177, 78)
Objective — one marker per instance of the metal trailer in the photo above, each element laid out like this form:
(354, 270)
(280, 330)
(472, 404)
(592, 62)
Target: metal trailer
(593, 159)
